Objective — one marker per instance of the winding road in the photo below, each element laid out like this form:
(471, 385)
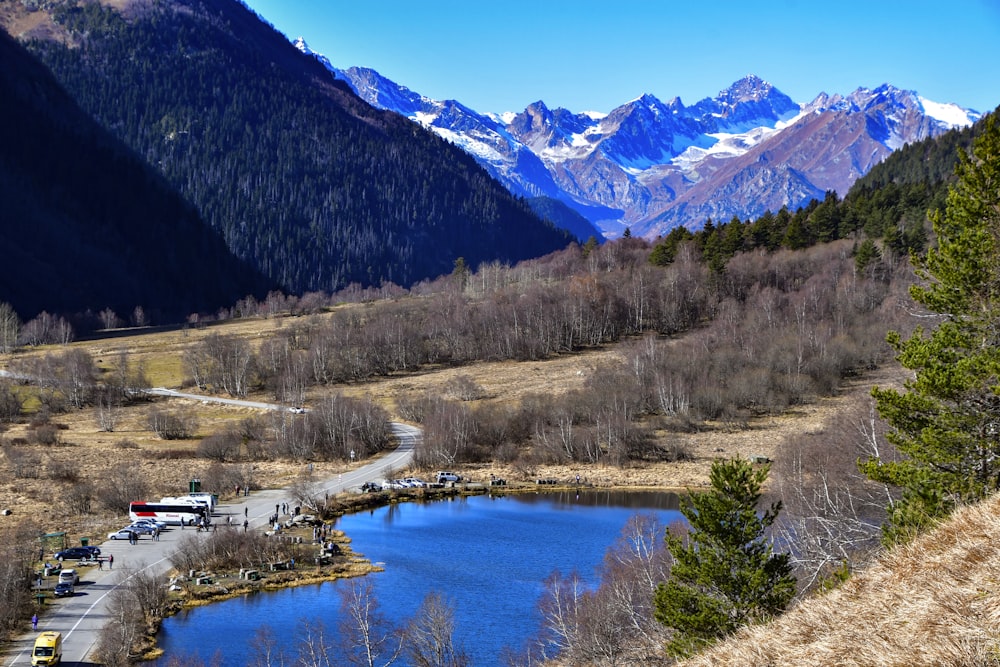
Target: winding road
(81, 617)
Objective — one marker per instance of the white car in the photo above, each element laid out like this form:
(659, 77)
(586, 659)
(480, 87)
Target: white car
(414, 482)
(123, 534)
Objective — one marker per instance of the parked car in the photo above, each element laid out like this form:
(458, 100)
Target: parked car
(142, 528)
(414, 482)
(447, 476)
(68, 576)
(64, 589)
(156, 523)
(78, 553)
(123, 534)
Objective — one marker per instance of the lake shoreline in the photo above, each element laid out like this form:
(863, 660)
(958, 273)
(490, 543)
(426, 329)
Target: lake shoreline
(227, 585)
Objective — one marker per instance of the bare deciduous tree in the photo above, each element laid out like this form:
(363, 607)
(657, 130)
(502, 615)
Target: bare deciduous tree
(314, 648)
(367, 638)
(109, 319)
(18, 552)
(118, 643)
(429, 636)
(266, 649)
(107, 408)
(10, 328)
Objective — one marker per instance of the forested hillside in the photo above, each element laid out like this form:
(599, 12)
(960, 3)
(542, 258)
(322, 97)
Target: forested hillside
(885, 211)
(86, 225)
(301, 178)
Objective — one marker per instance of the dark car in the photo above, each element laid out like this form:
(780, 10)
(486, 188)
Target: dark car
(142, 528)
(78, 553)
(64, 589)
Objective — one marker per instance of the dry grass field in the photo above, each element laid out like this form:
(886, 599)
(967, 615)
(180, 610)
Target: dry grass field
(168, 465)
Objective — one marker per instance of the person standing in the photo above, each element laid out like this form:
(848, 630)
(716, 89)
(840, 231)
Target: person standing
(111, 561)
(246, 524)
(34, 621)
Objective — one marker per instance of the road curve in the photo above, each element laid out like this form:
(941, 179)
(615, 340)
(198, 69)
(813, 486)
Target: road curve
(81, 618)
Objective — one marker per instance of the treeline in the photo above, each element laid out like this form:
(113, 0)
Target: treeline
(885, 209)
(774, 330)
(302, 179)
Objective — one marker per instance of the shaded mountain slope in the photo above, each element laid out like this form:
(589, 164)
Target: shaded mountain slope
(85, 224)
(302, 178)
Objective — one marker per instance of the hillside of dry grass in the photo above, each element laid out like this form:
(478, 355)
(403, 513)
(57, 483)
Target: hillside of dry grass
(933, 602)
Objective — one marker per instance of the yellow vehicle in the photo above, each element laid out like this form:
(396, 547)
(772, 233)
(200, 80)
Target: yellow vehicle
(48, 649)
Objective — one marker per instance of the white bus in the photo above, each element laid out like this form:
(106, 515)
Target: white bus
(187, 514)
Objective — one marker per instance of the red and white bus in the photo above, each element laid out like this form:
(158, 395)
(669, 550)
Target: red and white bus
(172, 513)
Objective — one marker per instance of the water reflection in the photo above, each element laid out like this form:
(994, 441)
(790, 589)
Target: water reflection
(637, 500)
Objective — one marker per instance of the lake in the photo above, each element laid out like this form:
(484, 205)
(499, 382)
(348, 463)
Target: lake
(488, 556)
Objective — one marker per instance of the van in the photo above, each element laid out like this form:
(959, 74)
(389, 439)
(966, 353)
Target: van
(447, 476)
(48, 649)
(68, 576)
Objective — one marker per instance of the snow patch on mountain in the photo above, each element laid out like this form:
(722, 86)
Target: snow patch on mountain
(950, 114)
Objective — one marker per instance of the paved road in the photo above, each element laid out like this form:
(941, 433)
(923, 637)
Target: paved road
(81, 618)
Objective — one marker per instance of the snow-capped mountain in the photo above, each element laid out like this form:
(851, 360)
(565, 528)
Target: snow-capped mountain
(651, 166)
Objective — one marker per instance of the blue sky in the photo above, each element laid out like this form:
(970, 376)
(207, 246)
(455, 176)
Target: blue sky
(586, 55)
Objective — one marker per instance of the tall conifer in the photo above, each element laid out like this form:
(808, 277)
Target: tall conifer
(946, 422)
(725, 573)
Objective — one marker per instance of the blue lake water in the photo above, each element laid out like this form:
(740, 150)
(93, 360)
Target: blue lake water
(488, 556)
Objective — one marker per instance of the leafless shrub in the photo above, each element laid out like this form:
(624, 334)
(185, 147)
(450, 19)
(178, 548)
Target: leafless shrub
(79, 497)
(832, 514)
(120, 485)
(63, 471)
(172, 425)
(416, 408)
(220, 447)
(232, 548)
(11, 403)
(125, 443)
(24, 464)
(464, 388)
(218, 477)
(45, 434)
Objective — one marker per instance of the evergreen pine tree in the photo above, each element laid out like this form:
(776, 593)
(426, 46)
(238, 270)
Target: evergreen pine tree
(946, 423)
(725, 573)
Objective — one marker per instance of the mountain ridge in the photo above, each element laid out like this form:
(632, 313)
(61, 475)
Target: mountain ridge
(647, 165)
